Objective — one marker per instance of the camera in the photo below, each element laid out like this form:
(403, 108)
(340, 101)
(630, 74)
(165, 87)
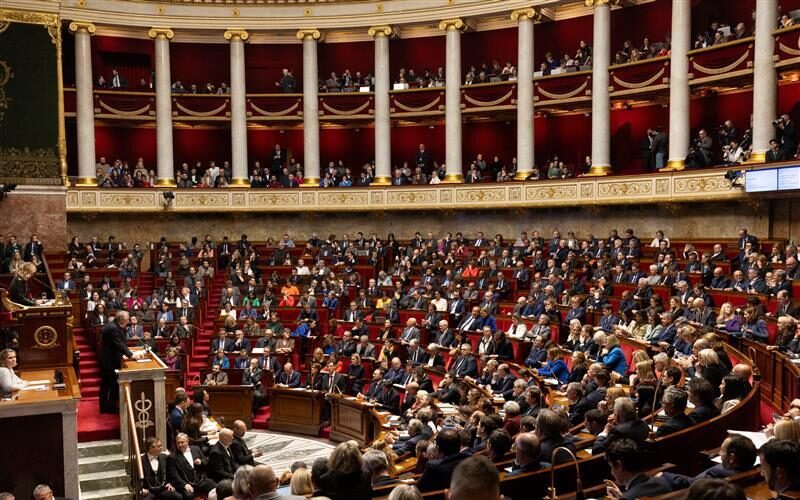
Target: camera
(776, 122)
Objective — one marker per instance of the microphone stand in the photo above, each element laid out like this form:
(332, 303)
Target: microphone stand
(551, 491)
(653, 410)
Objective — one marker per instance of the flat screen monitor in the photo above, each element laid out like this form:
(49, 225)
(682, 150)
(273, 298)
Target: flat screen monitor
(788, 178)
(757, 181)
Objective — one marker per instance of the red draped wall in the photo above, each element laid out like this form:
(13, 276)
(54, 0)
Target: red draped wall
(264, 63)
(214, 63)
(356, 56)
(127, 144)
(489, 139)
(417, 53)
(261, 142)
(406, 141)
(479, 47)
(203, 144)
(133, 58)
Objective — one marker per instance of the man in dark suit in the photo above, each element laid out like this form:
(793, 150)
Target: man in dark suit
(423, 159)
(623, 424)
(221, 464)
(242, 455)
(415, 435)
(626, 463)
(113, 351)
(178, 411)
(331, 381)
(186, 469)
(465, 365)
(154, 466)
(33, 247)
(388, 398)
(437, 473)
(527, 456)
(785, 306)
(67, 283)
(702, 394)
(288, 377)
(737, 454)
(268, 362)
(674, 404)
(579, 405)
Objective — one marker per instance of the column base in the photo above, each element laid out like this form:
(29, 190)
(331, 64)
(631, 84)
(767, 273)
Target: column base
(757, 157)
(674, 166)
(239, 182)
(453, 179)
(167, 182)
(383, 180)
(521, 175)
(310, 182)
(86, 182)
(598, 171)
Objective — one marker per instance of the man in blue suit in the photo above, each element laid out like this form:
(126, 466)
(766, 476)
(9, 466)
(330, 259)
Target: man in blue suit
(465, 365)
(289, 377)
(178, 411)
(667, 335)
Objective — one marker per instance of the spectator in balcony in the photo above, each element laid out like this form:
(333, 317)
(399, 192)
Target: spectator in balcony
(786, 21)
(209, 89)
(775, 153)
(287, 83)
(223, 89)
(635, 55)
(332, 83)
(658, 146)
(739, 32)
(646, 50)
(178, 88)
(584, 54)
(554, 171)
(733, 154)
(786, 135)
(704, 144)
(117, 81)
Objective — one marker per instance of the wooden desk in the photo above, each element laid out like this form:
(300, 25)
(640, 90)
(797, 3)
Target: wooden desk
(296, 410)
(231, 403)
(42, 436)
(353, 419)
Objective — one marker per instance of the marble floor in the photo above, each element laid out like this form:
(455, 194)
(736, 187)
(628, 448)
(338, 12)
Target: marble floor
(280, 451)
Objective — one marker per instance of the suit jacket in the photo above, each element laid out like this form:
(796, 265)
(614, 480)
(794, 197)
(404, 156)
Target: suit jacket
(176, 418)
(437, 473)
(410, 334)
(220, 378)
(155, 481)
(674, 424)
(291, 380)
(180, 473)
(389, 400)
(636, 430)
(114, 347)
(367, 351)
(464, 366)
(338, 381)
(241, 453)
(221, 464)
(645, 486)
(703, 413)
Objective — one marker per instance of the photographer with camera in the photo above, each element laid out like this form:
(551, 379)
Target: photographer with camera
(701, 152)
(786, 135)
(733, 154)
(726, 133)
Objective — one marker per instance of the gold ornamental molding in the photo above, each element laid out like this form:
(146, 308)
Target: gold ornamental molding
(646, 83)
(531, 13)
(600, 3)
(376, 31)
(308, 34)
(75, 26)
(662, 188)
(161, 33)
(724, 69)
(232, 33)
(452, 24)
(479, 103)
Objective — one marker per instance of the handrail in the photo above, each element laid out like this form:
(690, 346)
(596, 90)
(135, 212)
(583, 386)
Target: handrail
(134, 453)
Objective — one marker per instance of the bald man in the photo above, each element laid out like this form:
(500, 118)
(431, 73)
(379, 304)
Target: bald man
(242, 455)
(475, 477)
(221, 464)
(264, 483)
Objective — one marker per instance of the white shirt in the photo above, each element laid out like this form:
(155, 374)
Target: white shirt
(520, 333)
(9, 381)
(154, 461)
(188, 456)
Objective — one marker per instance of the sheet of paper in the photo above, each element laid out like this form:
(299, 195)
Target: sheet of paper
(34, 388)
(758, 438)
(38, 382)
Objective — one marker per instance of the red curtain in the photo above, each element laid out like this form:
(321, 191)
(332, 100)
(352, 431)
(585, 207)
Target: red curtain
(126, 144)
(355, 56)
(215, 66)
(264, 64)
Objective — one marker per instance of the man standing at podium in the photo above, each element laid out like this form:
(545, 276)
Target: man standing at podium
(114, 350)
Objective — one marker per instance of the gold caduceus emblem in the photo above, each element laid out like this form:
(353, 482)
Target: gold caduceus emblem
(142, 406)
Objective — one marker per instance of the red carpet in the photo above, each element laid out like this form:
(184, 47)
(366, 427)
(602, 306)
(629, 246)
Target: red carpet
(93, 425)
(261, 420)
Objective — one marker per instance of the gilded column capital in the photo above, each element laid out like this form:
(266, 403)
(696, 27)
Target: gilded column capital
(308, 33)
(531, 13)
(75, 26)
(161, 33)
(452, 24)
(239, 33)
(376, 31)
(600, 3)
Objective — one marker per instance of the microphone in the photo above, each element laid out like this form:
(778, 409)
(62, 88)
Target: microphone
(551, 491)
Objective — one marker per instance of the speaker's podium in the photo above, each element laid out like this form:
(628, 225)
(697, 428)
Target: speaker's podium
(142, 400)
(40, 427)
(296, 410)
(355, 419)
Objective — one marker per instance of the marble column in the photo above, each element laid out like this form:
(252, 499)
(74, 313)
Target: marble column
(84, 98)
(679, 93)
(525, 157)
(452, 109)
(310, 107)
(765, 80)
(601, 101)
(237, 37)
(383, 124)
(164, 150)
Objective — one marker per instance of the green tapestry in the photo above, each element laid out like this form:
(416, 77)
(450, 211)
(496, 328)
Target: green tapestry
(29, 96)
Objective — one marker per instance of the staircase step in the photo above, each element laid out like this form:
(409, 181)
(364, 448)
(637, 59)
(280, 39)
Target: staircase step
(101, 463)
(107, 494)
(100, 448)
(104, 480)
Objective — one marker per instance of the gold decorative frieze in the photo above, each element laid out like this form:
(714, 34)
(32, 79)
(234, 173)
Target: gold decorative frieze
(599, 3)
(667, 187)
